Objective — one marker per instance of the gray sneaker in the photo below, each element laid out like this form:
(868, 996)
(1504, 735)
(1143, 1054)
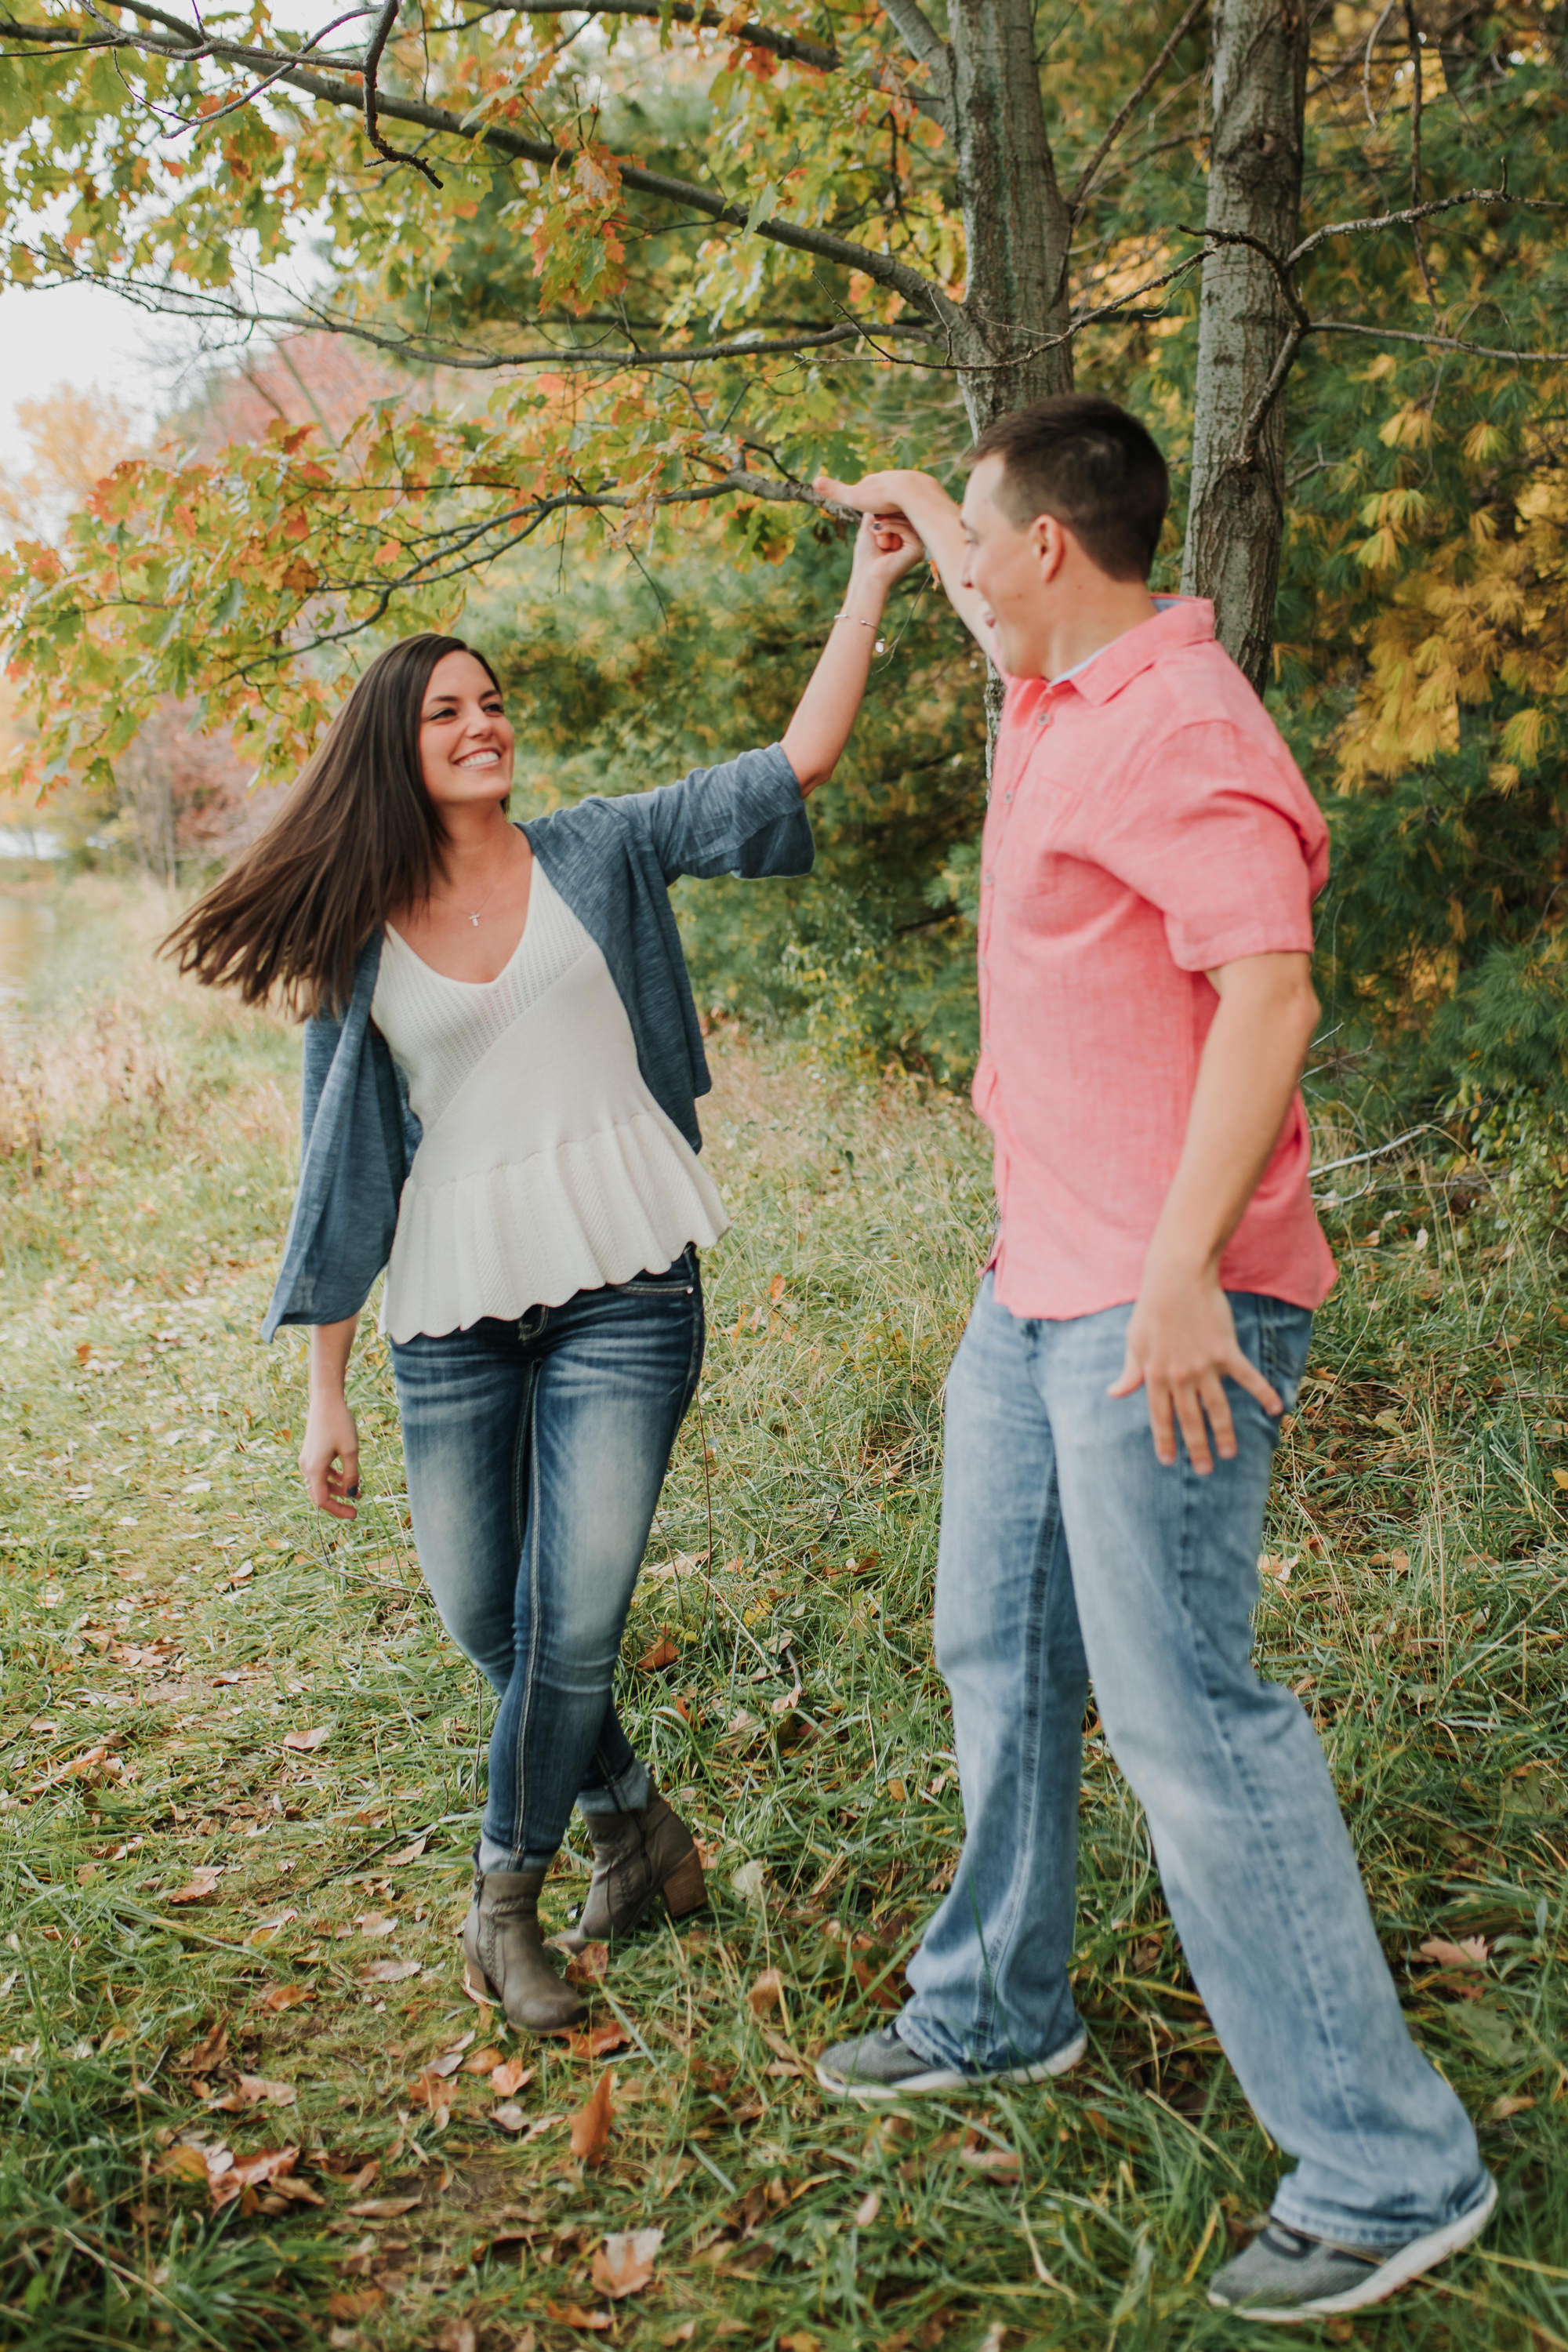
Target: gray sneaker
(878, 2066)
(1285, 2277)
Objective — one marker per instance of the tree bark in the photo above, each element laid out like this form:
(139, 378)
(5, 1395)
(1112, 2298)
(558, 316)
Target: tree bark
(1016, 224)
(1236, 517)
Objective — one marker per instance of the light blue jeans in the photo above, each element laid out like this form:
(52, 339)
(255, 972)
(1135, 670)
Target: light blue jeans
(535, 1453)
(1067, 1552)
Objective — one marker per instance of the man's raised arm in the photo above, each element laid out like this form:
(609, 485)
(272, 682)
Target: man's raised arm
(924, 502)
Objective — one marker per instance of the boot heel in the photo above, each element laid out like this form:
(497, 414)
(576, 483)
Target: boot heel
(685, 1889)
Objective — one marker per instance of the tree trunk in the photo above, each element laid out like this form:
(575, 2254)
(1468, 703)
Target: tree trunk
(1236, 517)
(1016, 222)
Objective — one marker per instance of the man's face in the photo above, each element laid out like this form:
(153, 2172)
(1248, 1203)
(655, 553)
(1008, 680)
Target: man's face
(1008, 569)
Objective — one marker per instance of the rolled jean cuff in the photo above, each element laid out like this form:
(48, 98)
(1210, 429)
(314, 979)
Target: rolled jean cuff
(490, 1855)
(629, 1793)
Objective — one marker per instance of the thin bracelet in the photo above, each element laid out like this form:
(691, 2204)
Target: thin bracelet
(843, 613)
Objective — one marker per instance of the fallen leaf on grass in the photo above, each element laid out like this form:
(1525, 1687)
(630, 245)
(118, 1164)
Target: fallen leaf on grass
(1501, 2110)
(511, 2118)
(210, 2052)
(572, 2315)
(201, 1885)
(458, 2336)
(354, 2301)
(253, 2090)
(448, 2063)
(286, 1996)
(624, 2265)
(305, 1743)
(429, 2091)
(183, 2164)
(867, 2210)
(407, 1853)
(381, 2209)
(507, 2077)
(596, 2040)
(479, 2061)
(660, 1654)
(766, 1994)
(591, 2123)
(391, 1971)
(375, 1923)
(1470, 1954)
(265, 1930)
(589, 1965)
(243, 2172)
(1002, 2161)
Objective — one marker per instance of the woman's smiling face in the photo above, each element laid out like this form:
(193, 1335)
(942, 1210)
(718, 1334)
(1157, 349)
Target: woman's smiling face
(464, 736)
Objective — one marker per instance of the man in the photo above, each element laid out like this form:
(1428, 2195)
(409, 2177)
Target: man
(1149, 862)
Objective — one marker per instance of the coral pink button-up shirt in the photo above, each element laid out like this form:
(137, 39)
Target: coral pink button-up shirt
(1146, 824)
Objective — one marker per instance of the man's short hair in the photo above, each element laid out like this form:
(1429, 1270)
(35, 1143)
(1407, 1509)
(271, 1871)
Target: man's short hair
(1084, 460)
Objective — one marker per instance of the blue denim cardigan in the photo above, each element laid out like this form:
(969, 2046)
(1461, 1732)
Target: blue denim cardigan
(612, 861)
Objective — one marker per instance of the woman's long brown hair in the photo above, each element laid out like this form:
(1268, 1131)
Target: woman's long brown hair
(358, 836)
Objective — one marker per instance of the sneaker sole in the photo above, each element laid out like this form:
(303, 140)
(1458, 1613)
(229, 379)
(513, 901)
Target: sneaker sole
(1420, 2255)
(948, 2078)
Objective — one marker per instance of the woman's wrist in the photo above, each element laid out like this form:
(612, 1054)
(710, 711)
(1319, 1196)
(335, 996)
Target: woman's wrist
(864, 601)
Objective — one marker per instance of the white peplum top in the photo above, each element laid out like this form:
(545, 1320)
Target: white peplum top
(546, 1167)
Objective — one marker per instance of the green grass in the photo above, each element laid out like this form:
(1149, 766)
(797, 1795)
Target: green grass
(166, 1596)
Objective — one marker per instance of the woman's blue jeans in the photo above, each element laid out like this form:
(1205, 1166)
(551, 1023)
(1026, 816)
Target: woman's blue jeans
(535, 1453)
(1065, 1552)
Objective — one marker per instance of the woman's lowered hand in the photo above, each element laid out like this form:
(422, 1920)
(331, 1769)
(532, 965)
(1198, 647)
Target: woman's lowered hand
(329, 1458)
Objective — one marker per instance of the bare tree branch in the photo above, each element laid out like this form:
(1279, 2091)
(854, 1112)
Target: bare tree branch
(1416, 212)
(928, 48)
(750, 35)
(1130, 105)
(1413, 33)
(1438, 342)
(372, 55)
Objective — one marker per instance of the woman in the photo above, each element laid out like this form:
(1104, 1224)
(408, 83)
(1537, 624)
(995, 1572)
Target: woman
(502, 1062)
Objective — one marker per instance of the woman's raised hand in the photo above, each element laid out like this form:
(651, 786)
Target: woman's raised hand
(886, 547)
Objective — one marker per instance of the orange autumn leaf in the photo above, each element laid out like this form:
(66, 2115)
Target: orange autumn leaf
(201, 1884)
(766, 1994)
(572, 2315)
(591, 2123)
(279, 1997)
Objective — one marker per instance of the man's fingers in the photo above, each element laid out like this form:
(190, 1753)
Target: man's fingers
(1161, 1425)
(1246, 1376)
(1216, 1405)
(1194, 1429)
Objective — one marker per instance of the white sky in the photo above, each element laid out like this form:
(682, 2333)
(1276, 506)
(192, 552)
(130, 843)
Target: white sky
(84, 336)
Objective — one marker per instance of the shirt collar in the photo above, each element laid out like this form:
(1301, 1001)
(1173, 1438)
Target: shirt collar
(1180, 621)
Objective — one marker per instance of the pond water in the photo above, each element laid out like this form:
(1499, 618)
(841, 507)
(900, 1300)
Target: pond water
(26, 934)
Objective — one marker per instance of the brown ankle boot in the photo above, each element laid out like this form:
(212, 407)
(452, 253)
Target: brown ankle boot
(503, 1952)
(636, 1857)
